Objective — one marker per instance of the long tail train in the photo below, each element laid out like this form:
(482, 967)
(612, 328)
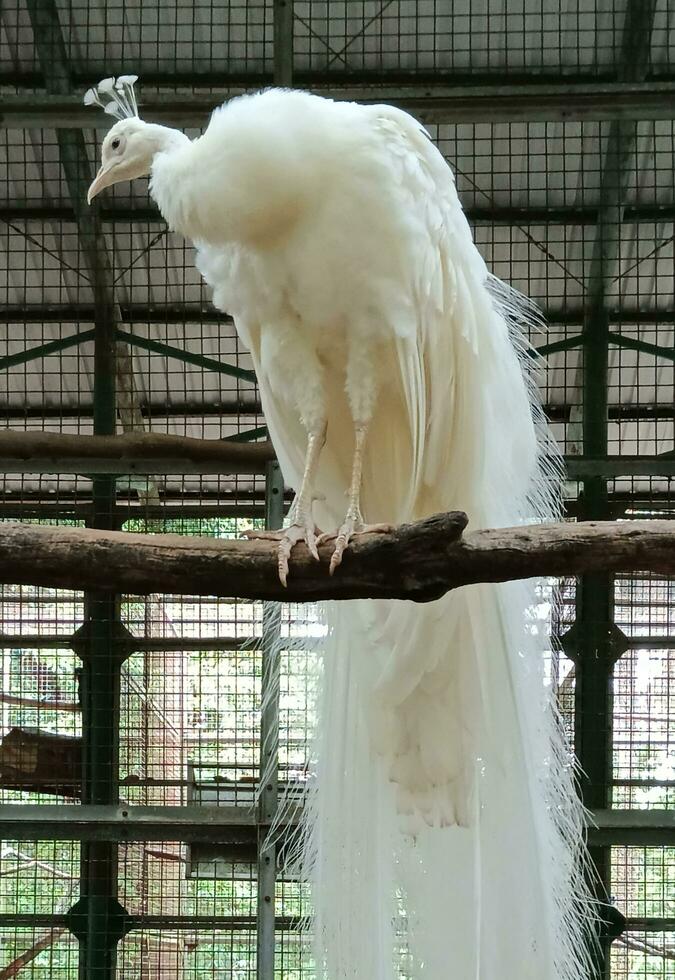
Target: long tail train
(442, 833)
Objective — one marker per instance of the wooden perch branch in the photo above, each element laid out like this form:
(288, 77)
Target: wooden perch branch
(235, 457)
(419, 561)
(46, 940)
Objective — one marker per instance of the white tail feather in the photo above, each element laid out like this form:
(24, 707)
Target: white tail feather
(443, 777)
(441, 813)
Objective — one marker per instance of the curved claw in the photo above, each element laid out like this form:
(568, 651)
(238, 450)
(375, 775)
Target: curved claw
(288, 537)
(341, 542)
(252, 535)
(351, 527)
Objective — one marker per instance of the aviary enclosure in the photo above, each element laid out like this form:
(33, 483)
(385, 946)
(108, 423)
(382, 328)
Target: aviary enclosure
(131, 728)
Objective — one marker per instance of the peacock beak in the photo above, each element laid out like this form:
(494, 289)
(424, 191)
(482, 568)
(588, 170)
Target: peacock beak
(104, 178)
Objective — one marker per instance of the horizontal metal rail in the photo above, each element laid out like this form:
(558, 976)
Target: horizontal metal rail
(198, 313)
(481, 215)
(581, 467)
(224, 825)
(234, 923)
(232, 825)
(429, 101)
(191, 923)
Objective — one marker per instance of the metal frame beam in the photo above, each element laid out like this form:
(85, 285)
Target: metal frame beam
(186, 356)
(608, 467)
(225, 923)
(96, 918)
(621, 101)
(488, 215)
(239, 406)
(54, 641)
(235, 825)
(595, 642)
(45, 350)
(199, 314)
(617, 413)
(236, 406)
(229, 923)
(269, 741)
(429, 101)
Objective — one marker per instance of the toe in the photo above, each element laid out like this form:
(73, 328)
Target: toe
(336, 559)
(341, 542)
(260, 535)
(326, 536)
(379, 528)
(283, 554)
(287, 541)
(312, 542)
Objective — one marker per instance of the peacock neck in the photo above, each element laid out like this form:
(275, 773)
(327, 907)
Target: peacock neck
(170, 176)
(225, 191)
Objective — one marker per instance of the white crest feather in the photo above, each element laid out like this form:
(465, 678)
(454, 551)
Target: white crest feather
(115, 96)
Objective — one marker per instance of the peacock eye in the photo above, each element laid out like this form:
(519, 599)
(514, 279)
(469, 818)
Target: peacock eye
(115, 143)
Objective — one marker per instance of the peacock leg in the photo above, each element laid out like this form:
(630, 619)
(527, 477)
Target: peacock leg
(302, 526)
(363, 369)
(353, 523)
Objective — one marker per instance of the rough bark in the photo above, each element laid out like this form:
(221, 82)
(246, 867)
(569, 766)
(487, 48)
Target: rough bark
(236, 457)
(419, 561)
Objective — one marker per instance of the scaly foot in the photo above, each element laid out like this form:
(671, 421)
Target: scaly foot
(352, 526)
(288, 537)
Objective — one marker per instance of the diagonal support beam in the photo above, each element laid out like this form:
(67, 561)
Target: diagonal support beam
(96, 918)
(52, 55)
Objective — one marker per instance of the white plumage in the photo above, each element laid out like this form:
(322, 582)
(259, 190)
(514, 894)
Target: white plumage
(444, 801)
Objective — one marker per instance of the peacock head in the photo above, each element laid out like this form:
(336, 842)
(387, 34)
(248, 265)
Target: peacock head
(131, 145)
(127, 153)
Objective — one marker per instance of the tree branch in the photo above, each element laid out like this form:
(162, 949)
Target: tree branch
(46, 940)
(235, 457)
(419, 561)
(38, 703)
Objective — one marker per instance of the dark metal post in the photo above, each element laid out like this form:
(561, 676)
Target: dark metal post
(283, 43)
(597, 642)
(594, 652)
(269, 746)
(97, 919)
(269, 721)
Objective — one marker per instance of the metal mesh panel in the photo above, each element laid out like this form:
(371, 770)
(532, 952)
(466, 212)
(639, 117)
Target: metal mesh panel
(41, 952)
(543, 192)
(640, 955)
(643, 694)
(479, 38)
(38, 880)
(371, 36)
(644, 885)
(184, 44)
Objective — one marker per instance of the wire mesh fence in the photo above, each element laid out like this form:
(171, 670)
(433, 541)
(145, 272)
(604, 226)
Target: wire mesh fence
(215, 41)
(187, 732)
